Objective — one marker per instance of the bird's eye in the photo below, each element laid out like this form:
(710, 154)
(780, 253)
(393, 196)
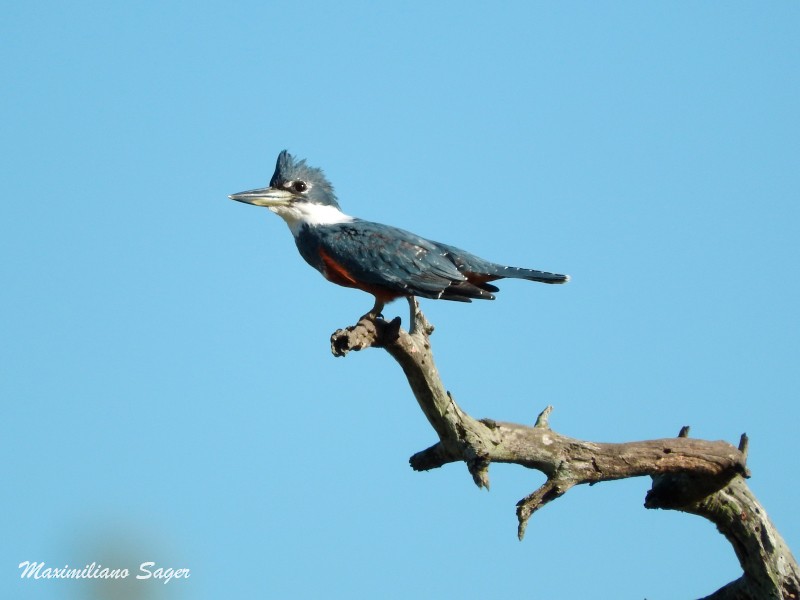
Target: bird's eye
(299, 186)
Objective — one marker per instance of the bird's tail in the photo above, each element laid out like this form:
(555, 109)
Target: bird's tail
(532, 275)
(479, 271)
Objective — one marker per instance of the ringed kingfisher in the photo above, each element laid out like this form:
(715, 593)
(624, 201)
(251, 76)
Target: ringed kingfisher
(384, 261)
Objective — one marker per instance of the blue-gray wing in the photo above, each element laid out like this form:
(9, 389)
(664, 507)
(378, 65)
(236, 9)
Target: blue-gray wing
(397, 261)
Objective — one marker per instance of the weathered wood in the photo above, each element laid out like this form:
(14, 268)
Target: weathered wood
(700, 477)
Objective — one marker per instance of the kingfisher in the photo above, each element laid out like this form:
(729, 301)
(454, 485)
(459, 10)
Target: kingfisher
(384, 261)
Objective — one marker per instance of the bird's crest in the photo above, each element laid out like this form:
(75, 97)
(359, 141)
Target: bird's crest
(287, 168)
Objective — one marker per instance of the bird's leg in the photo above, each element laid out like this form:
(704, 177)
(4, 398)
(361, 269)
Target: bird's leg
(376, 311)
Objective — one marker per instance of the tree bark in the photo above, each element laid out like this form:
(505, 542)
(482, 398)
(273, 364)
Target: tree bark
(699, 477)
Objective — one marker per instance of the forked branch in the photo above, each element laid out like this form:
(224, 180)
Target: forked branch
(694, 476)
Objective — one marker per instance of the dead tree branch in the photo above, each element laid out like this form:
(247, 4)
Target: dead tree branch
(694, 476)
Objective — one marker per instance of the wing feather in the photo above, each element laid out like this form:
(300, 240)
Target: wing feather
(397, 260)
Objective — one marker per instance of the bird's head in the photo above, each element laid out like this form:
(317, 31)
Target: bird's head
(297, 192)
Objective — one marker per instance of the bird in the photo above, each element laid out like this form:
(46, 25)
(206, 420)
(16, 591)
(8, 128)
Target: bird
(382, 260)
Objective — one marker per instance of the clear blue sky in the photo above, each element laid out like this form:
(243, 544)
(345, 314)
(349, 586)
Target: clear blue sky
(167, 389)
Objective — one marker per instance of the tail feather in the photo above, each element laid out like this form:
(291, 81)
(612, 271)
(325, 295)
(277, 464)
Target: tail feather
(534, 275)
(480, 271)
(465, 291)
(495, 272)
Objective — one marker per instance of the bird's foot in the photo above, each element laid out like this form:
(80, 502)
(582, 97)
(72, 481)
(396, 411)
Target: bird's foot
(387, 331)
(370, 331)
(375, 313)
(372, 316)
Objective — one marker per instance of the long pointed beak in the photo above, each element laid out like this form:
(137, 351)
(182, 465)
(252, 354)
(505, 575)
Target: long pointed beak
(264, 197)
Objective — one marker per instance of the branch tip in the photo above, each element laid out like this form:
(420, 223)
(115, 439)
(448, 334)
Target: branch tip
(542, 419)
(479, 469)
(369, 332)
(553, 488)
(521, 527)
(744, 445)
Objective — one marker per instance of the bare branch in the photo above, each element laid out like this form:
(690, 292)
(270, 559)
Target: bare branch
(553, 488)
(694, 476)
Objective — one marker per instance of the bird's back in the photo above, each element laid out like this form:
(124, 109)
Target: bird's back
(374, 256)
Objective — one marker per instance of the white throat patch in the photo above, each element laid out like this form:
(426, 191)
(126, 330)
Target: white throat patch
(304, 213)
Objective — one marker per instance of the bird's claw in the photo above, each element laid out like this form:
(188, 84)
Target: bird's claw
(370, 316)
